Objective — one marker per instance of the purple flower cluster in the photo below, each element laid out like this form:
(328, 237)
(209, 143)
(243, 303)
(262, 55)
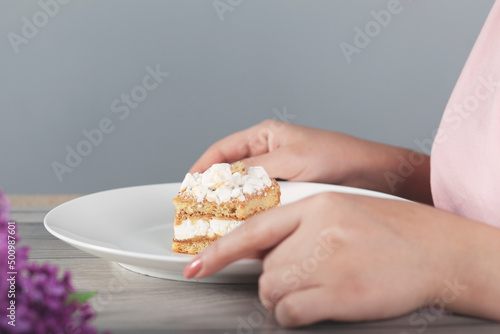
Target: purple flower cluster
(43, 301)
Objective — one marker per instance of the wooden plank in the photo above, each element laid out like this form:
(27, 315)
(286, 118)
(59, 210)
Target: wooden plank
(41, 200)
(29, 215)
(131, 303)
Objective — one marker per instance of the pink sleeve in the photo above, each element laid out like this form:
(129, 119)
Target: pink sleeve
(465, 159)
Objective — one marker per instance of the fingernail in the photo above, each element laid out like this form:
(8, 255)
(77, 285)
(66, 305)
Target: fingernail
(193, 268)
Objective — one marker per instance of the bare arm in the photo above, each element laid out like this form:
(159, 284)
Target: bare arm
(364, 259)
(298, 153)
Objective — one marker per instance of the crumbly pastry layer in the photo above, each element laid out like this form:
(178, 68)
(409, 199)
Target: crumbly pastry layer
(266, 198)
(214, 203)
(193, 246)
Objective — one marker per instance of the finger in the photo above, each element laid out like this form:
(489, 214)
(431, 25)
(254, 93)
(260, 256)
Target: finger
(293, 250)
(239, 145)
(228, 149)
(257, 255)
(304, 307)
(259, 233)
(276, 283)
(281, 163)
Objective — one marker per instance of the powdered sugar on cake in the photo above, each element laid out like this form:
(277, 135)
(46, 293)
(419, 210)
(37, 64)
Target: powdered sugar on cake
(219, 184)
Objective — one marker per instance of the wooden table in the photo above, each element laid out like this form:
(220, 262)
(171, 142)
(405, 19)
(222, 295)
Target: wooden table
(132, 303)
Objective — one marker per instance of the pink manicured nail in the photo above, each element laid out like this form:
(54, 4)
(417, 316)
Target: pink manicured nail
(193, 268)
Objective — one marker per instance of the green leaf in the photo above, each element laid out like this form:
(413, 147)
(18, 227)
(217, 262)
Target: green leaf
(81, 297)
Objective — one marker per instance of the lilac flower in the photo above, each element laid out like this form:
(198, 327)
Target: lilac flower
(47, 307)
(43, 300)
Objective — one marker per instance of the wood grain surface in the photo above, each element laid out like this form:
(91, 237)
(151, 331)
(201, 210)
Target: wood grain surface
(132, 303)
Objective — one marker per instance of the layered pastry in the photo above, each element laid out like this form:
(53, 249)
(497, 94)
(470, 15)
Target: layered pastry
(212, 204)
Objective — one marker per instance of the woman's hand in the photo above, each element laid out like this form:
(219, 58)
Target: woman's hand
(298, 153)
(353, 258)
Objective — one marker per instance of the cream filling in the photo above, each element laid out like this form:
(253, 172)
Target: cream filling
(201, 228)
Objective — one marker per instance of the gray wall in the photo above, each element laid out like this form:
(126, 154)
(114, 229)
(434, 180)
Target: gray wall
(226, 71)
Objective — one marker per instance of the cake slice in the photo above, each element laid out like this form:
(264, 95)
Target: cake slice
(212, 204)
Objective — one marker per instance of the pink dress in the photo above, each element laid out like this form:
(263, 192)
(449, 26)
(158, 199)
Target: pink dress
(465, 158)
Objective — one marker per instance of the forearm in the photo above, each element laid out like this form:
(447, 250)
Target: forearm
(408, 175)
(393, 170)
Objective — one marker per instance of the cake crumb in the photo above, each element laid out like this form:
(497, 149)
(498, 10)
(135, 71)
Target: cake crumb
(239, 167)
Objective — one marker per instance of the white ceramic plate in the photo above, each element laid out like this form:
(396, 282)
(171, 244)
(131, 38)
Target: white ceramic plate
(134, 227)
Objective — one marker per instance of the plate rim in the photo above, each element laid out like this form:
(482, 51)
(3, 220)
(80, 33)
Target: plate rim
(84, 246)
(120, 252)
